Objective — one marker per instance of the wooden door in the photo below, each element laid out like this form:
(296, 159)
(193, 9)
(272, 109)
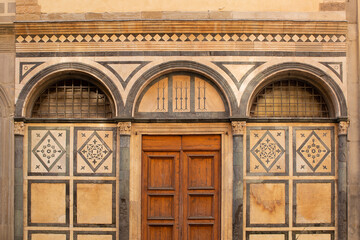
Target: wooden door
(180, 187)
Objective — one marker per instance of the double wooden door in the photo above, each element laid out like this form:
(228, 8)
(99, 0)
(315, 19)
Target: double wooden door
(180, 187)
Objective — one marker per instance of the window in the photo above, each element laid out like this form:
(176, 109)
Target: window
(289, 98)
(72, 98)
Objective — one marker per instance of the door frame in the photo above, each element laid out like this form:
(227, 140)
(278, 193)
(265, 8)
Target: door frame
(226, 195)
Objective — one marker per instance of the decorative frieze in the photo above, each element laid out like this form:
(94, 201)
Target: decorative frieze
(124, 128)
(180, 37)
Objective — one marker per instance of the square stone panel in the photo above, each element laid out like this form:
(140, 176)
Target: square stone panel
(48, 151)
(267, 151)
(267, 204)
(314, 151)
(87, 235)
(94, 203)
(314, 203)
(47, 235)
(95, 151)
(313, 235)
(258, 235)
(48, 203)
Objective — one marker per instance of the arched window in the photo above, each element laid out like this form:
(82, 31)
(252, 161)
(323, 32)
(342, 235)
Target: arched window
(290, 98)
(72, 98)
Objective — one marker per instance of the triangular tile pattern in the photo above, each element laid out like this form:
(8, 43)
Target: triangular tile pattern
(26, 67)
(335, 67)
(238, 71)
(124, 70)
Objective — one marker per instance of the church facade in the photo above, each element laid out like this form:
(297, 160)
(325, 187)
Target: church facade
(157, 120)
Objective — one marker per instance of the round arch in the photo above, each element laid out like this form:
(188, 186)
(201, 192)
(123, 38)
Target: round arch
(29, 90)
(173, 66)
(313, 75)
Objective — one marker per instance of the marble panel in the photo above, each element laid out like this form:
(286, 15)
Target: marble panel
(314, 203)
(48, 203)
(94, 203)
(313, 235)
(314, 151)
(267, 204)
(95, 151)
(92, 235)
(47, 235)
(267, 235)
(48, 151)
(267, 151)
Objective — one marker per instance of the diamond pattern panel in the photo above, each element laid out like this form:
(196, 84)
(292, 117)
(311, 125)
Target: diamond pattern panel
(48, 151)
(95, 151)
(314, 151)
(267, 151)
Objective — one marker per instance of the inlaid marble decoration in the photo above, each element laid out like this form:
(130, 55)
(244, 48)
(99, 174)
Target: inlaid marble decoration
(313, 235)
(314, 203)
(267, 151)
(48, 151)
(267, 203)
(95, 151)
(314, 151)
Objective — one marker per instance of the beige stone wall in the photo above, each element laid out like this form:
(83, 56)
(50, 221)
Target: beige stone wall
(187, 9)
(53, 6)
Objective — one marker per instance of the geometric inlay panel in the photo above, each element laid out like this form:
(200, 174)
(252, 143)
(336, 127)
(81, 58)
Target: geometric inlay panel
(314, 203)
(95, 151)
(314, 151)
(94, 203)
(267, 203)
(48, 203)
(267, 151)
(48, 151)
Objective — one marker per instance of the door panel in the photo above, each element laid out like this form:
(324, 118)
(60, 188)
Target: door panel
(160, 198)
(180, 187)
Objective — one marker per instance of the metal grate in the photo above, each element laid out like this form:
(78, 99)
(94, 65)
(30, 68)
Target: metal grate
(72, 99)
(289, 98)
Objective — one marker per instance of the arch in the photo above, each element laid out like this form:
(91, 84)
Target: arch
(29, 90)
(313, 75)
(171, 66)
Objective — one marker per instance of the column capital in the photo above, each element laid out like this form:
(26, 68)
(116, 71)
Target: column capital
(19, 128)
(343, 127)
(124, 128)
(238, 127)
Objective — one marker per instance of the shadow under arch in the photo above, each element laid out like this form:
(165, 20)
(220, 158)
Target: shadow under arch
(92, 72)
(190, 66)
(318, 78)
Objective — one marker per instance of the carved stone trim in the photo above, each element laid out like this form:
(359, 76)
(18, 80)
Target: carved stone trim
(238, 127)
(343, 127)
(19, 128)
(124, 128)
